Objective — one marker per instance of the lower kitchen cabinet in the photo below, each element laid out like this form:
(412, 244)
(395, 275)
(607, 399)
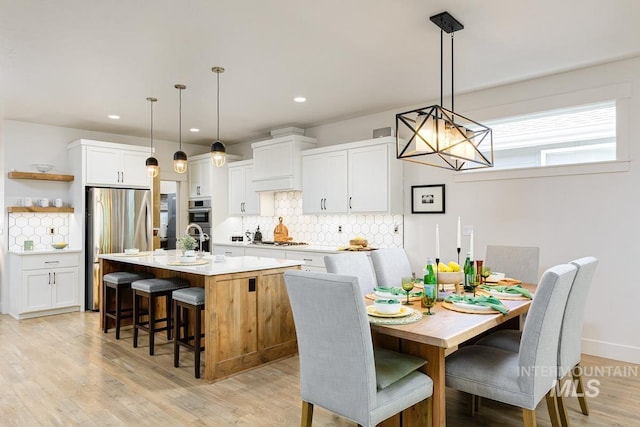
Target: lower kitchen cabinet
(228, 250)
(313, 259)
(43, 284)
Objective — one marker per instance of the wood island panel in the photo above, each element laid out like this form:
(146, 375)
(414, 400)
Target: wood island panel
(247, 321)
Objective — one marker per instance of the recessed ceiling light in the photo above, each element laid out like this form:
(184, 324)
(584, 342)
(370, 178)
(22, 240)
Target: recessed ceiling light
(113, 116)
(299, 99)
(194, 130)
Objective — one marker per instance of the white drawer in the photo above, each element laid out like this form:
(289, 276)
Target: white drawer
(229, 251)
(262, 252)
(36, 262)
(311, 259)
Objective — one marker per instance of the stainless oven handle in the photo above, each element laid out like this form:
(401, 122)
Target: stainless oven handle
(196, 210)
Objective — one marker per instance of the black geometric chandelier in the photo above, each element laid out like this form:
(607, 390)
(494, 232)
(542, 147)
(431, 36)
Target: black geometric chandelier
(439, 137)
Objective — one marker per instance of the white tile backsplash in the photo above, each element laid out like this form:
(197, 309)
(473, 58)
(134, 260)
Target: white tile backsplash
(35, 226)
(380, 230)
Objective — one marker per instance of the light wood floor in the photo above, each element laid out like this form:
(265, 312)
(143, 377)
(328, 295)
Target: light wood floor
(63, 371)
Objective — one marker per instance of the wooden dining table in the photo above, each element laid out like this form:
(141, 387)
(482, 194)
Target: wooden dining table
(433, 338)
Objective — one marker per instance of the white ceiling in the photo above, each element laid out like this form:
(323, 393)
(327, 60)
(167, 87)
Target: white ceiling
(72, 62)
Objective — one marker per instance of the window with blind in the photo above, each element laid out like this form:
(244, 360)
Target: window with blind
(576, 135)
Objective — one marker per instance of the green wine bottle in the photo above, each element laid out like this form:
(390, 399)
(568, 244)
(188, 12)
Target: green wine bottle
(468, 273)
(430, 273)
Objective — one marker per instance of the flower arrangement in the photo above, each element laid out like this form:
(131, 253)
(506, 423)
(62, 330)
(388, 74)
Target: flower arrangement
(187, 243)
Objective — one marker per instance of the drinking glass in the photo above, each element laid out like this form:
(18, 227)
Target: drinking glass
(486, 272)
(429, 296)
(407, 285)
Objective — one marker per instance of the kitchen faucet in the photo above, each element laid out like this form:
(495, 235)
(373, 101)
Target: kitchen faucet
(201, 237)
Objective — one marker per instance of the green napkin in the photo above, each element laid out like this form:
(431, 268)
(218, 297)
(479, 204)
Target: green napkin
(515, 290)
(398, 291)
(487, 301)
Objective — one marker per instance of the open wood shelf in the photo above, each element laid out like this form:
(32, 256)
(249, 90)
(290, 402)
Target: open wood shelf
(41, 176)
(17, 209)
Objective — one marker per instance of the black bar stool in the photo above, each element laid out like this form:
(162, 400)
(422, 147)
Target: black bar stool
(188, 299)
(152, 289)
(118, 281)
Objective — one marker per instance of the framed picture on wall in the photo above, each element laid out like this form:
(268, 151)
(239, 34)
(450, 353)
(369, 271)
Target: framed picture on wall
(427, 199)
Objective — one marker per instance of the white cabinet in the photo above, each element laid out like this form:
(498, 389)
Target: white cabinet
(324, 180)
(313, 261)
(243, 199)
(369, 179)
(278, 164)
(229, 250)
(43, 284)
(362, 177)
(115, 165)
(200, 173)
(264, 252)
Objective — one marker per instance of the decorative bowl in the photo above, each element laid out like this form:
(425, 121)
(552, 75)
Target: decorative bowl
(132, 251)
(387, 306)
(42, 167)
(495, 277)
(450, 277)
(59, 245)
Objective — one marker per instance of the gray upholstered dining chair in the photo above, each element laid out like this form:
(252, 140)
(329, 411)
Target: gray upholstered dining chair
(517, 262)
(339, 369)
(353, 264)
(520, 378)
(570, 351)
(390, 265)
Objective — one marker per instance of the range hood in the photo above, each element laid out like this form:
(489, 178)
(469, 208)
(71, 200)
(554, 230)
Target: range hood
(277, 162)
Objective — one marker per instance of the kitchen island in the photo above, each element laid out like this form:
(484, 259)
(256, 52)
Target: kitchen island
(247, 319)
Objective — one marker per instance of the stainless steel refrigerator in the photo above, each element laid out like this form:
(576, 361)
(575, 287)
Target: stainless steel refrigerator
(116, 219)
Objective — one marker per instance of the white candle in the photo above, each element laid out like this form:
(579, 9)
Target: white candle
(437, 241)
(471, 247)
(458, 241)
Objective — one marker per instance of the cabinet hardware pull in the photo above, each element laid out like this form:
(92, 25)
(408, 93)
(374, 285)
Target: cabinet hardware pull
(51, 262)
(49, 278)
(122, 176)
(228, 253)
(321, 204)
(54, 277)
(307, 259)
(252, 284)
(349, 202)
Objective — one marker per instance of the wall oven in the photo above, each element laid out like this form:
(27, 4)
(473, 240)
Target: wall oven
(200, 213)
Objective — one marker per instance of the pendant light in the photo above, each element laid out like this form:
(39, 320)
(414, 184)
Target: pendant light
(439, 137)
(180, 157)
(152, 163)
(218, 150)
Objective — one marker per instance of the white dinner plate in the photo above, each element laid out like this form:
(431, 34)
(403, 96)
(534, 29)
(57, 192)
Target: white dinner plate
(468, 306)
(404, 311)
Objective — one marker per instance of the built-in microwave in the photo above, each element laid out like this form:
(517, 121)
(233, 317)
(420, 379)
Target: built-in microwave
(200, 212)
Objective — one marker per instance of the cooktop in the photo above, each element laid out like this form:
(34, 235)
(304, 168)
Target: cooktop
(291, 243)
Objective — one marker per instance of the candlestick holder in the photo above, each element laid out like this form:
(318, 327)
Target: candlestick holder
(458, 250)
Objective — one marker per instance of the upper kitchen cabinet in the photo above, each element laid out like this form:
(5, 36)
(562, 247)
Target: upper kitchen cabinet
(200, 176)
(359, 177)
(243, 198)
(277, 163)
(324, 182)
(110, 164)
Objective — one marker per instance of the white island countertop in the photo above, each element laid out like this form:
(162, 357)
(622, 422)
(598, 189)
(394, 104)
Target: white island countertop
(206, 266)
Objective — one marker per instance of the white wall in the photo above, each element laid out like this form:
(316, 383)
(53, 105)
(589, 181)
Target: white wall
(566, 216)
(22, 144)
